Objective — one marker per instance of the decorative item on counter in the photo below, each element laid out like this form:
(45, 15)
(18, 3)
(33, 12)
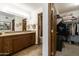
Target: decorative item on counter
(34, 26)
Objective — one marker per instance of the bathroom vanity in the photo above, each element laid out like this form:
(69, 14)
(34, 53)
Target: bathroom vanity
(16, 41)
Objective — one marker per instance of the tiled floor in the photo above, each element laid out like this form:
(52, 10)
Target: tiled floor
(35, 50)
(69, 50)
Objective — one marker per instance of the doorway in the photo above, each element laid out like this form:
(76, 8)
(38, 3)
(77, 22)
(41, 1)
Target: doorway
(40, 27)
(67, 29)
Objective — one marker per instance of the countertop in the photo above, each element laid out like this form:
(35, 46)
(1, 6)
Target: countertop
(16, 33)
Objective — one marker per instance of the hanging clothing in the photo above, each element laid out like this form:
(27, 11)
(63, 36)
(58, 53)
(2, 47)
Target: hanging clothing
(59, 20)
(78, 28)
(61, 28)
(76, 33)
(59, 42)
(73, 29)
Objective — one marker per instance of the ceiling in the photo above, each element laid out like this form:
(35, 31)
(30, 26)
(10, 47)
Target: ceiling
(23, 9)
(66, 7)
(27, 8)
(33, 5)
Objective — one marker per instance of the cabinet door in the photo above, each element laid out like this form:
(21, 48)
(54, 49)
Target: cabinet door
(8, 46)
(19, 43)
(1, 45)
(33, 38)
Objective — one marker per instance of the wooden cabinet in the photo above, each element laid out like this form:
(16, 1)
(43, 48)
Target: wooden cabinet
(23, 41)
(14, 43)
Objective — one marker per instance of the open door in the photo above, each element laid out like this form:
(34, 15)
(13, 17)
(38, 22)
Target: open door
(53, 33)
(40, 26)
(52, 29)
